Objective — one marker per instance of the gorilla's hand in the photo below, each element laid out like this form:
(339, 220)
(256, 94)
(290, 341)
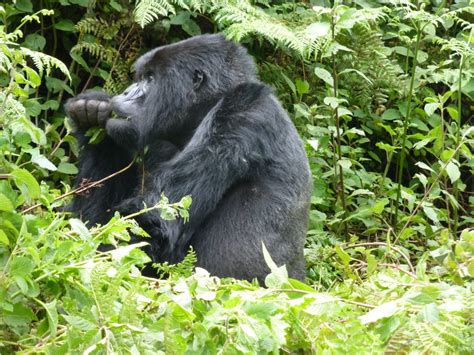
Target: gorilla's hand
(89, 109)
(149, 221)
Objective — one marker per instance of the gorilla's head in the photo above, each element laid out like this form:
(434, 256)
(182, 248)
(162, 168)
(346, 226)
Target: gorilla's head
(177, 83)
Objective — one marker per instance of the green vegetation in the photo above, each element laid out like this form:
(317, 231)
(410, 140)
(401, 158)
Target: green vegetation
(381, 93)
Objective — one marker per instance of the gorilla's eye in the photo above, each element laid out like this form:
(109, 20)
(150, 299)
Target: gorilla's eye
(149, 76)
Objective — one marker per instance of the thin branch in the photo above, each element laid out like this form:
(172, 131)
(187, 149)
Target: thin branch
(84, 187)
(388, 246)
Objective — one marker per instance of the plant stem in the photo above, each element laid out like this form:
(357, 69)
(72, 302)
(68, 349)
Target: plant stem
(401, 157)
(338, 133)
(458, 142)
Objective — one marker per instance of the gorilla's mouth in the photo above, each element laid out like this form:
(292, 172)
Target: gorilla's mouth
(120, 114)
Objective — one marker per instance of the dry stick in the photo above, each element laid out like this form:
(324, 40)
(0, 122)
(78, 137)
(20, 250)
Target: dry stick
(388, 246)
(84, 187)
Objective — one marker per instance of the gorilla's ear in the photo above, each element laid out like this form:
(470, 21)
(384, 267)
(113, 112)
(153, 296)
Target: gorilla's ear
(198, 78)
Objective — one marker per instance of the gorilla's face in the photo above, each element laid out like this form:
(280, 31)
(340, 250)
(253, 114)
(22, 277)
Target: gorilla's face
(174, 84)
(130, 103)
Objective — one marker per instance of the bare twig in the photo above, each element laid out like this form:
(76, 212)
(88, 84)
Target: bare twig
(388, 246)
(84, 187)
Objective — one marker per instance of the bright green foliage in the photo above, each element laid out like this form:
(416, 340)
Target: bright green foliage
(381, 93)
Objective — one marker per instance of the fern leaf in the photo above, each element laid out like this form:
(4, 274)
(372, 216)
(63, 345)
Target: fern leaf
(45, 62)
(146, 11)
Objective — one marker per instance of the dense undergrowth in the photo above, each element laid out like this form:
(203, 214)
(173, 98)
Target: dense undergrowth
(381, 93)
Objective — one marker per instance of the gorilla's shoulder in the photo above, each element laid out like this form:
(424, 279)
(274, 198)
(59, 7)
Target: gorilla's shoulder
(244, 97)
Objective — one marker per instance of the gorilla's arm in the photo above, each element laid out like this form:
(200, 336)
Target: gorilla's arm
(97, 161)
(231, 139)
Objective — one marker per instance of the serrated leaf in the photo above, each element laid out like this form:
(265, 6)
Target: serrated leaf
(21, 266)
(19, 316)
(79, 322)
(80, 228)
(186, 201)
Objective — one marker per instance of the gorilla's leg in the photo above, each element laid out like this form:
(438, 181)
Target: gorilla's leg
(229, 242)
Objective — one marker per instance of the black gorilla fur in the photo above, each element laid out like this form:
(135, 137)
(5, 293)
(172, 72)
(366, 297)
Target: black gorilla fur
(212, 131)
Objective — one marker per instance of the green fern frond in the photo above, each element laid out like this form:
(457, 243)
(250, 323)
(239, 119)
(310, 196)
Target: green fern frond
(45, 62)
(146, 11)
(98, 27)
(106, 54)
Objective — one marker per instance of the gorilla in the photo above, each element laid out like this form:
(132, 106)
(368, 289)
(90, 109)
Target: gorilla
(205, 126)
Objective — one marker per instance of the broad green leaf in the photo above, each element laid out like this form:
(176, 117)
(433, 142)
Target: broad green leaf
(21, 266)
(33, 77)
(430, 313)
(313, 143)
(302, 86)
(80, 228)
(4, 238)
(424, 166)
(21, 315)
(278, 276)
(5, 203)
(65, 25)
(453, 172)
(431, 214)
(383, 311)
(186, 201)
(333, 102)
(453, 113)
(371, 263)
(379, 206)
(324, 75)
(67, 168)
(345, 258)
(52, 313)
(345, 163)
(289, 83)
(430, 108)
(26, 183)
(35, 42)
(318, 29)
(43, 162)
(24, 5)
(79, 322)
(391, 114)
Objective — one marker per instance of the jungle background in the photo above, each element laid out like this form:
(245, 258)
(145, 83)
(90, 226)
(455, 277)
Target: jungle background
(381, 93)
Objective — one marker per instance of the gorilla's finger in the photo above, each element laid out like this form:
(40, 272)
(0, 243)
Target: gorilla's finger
(78, 111)
(92, 107)
(103, 112)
